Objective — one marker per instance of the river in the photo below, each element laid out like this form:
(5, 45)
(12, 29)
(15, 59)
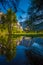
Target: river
(22, 45)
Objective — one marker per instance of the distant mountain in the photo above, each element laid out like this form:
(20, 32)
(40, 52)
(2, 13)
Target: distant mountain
(23, 24)
(39, 26)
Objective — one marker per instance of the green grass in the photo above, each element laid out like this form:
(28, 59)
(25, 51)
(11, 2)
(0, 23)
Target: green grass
(28, 34)
(16, 32)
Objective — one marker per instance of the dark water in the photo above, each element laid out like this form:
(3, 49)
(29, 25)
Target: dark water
(20, 58)
(22, 45)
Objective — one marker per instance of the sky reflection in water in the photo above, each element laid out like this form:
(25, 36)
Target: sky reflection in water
(20, 58)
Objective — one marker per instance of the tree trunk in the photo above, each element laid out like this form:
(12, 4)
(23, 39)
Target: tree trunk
(9, 42)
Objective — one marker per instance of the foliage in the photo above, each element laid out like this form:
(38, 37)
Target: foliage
(8, 47)
(7, 28)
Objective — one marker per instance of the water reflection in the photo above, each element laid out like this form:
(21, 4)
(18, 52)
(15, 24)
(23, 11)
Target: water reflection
(9, 50)
(15, 52)
(35, 52)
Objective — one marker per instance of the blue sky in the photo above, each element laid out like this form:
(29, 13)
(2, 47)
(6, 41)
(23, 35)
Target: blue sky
(23, 5)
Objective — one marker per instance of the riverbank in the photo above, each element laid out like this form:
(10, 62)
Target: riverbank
(28, 34)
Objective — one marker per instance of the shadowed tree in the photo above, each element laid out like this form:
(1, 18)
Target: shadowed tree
(8, 47)
(10, 18)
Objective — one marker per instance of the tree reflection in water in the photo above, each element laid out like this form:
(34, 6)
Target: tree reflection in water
(9, 50)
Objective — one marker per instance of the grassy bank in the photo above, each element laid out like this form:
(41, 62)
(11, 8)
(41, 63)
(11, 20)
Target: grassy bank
(28, 34)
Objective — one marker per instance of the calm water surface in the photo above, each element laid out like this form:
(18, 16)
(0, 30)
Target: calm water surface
(17, 55)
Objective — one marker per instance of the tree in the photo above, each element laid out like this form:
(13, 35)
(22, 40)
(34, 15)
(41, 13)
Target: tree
(8, 46)
(3, 20)
(7, 20)
(10, 18)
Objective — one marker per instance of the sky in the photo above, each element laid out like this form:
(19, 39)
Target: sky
(23, 5)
